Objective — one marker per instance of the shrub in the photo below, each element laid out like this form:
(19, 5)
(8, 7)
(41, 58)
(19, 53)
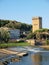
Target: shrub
(47, 42)
(31, 35)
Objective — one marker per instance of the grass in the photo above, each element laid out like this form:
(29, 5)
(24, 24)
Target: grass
(6, 45)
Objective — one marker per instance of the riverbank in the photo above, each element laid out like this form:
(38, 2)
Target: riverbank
(6, 45)
(45, 47)
(13, 56)
(10, 52)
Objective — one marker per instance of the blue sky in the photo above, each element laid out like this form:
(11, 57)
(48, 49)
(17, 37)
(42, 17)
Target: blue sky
(24, 10)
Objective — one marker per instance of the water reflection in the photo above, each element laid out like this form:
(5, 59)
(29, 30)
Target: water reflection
(40, 58)
(36, 58)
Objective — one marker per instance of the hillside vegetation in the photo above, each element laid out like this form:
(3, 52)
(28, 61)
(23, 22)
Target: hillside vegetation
(15, 25)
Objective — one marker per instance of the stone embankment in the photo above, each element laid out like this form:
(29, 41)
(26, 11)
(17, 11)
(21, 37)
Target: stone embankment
(13, 52)
(4, 53)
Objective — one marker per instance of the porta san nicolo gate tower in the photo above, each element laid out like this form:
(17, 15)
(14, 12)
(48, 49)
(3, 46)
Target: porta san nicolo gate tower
(37, 23)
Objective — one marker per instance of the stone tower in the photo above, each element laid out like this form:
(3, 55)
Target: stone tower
(37, 23)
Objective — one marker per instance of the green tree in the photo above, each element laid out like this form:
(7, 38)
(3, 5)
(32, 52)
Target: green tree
(31, 36)
(4, 35)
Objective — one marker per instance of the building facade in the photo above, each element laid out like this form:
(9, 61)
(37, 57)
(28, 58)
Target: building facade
(37, 23)
(14, 33)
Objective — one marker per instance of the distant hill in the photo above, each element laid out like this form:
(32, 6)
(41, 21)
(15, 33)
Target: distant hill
(15, 25)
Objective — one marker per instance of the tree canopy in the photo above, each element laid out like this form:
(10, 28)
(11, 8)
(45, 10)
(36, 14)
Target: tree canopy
(15, 24)
(4, 35)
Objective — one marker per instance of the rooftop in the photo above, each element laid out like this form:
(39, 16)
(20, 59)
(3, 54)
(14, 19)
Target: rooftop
(36, 18)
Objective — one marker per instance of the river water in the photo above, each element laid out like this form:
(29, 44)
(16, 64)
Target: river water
(39, 58)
